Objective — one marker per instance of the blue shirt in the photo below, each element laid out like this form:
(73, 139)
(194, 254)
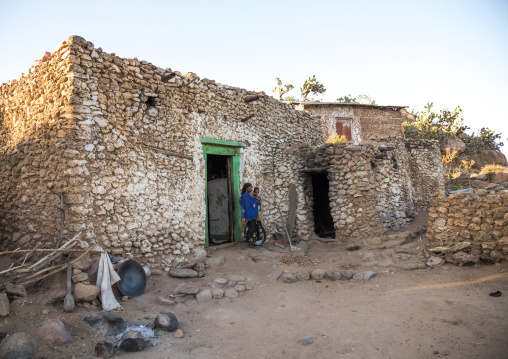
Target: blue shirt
(250, 207)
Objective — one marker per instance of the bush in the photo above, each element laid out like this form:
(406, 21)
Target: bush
(491, 170)
(335, 138)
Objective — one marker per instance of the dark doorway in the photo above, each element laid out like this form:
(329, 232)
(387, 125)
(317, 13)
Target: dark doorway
(323, 221)
(220, 205)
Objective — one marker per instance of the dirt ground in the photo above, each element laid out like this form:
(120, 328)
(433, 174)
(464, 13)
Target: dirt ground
(422, 313)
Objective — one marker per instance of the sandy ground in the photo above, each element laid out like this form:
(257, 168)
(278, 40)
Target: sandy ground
(423, 313)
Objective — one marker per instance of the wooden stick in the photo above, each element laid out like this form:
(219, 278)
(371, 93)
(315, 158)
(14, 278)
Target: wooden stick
(62, 216)
(44, 250)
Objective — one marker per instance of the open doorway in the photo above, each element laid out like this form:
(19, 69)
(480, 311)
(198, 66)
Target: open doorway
(220, 200)
(323, 221)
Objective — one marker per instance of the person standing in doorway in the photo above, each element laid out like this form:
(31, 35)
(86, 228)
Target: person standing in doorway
(250, 210)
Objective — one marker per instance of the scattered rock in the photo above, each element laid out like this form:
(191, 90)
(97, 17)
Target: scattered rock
(333, 276)
(183, 273)
(83, 264)
(18, 346)
(224, 301)
(215, 261)
(85, 292)
(200, 267)
(187, 288)
(495, 157)
(165, 301)
(306, 341)
(45, 311)
(274, 276)
(125, 298)
(166, 321)
(231, 293)
(318, 273)
(4, 305)
(462, 258)
(80, 277)
(303, 275)
(103, 350)
(289, 278)
(365, 275)
(217, 293)
(106, 323)
(221, 281)
(204, 295)
(482, 177)
(353, 247)
(347, 274)
(179, 333)
(435, 261)
(133, 341)
(240, 288)
(369, 257)
(55, 332)
(17, 290)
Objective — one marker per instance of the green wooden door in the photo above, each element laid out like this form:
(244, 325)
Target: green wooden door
(232, 149)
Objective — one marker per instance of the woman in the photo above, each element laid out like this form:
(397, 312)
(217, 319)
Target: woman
(250, 210)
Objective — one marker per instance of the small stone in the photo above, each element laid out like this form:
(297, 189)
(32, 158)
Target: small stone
(4, 305)
(200, 267)
(303, 275)
(186, 288)
(183, 273)
(333, 276)
(166, 321)
(289, 278)
(55, 332)
(204, 295)
(133, 341)
(45, 311)
(224, 301)
(365, 275)
(231, 293)
(106, 323)
(18, 346)
(165, 301)
(16, 289)
(240, 288)
(83, 264)
(85, 292)
(125, 298)
(103, 350)
(179, 333)
(80, 277)
(353, 247)
(306, 341)
(318, 273)
(434, 261)
(274, 276)
(369, 257)
(221, 281)
(217, 293)
(347, 274)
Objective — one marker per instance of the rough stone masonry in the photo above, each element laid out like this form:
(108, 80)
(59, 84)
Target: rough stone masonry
(123, 139)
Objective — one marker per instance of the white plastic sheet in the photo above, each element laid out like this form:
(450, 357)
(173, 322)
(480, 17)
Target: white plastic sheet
(106, 277)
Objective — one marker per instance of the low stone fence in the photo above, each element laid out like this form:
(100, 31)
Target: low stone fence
(477, 221)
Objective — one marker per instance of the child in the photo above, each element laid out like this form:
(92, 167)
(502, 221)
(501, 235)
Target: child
(257, 197)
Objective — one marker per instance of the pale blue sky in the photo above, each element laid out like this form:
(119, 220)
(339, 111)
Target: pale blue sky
(398, 52)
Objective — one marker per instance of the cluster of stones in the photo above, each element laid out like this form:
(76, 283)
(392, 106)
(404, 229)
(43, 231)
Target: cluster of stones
(373, 184)
(121, 138)
(478, 222)
(320, 273)
(13, 292)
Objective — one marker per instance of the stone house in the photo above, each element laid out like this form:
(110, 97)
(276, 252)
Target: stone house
(358, 122)
(151, 161)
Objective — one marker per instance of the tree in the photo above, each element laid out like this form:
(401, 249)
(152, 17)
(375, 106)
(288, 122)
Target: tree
(363, 99)
(280, 89)
(290, 98)
(311, 86)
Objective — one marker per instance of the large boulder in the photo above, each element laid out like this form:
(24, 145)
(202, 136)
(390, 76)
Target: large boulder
(85, 292)
(455, 144)
(18, 345)
(55, 332)
(495, 157)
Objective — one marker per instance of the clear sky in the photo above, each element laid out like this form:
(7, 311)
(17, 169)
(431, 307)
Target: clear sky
(398, 52)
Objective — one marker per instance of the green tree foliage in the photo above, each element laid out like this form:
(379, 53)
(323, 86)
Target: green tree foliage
(311, 87)
(280, 89)
(290, 98)
(445, 125)
(363, 99)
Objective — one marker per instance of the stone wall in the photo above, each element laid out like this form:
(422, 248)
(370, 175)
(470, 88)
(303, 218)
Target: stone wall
(36, 120)
(132, 160)
(366, 120)
(370, 183)
(477, 222)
